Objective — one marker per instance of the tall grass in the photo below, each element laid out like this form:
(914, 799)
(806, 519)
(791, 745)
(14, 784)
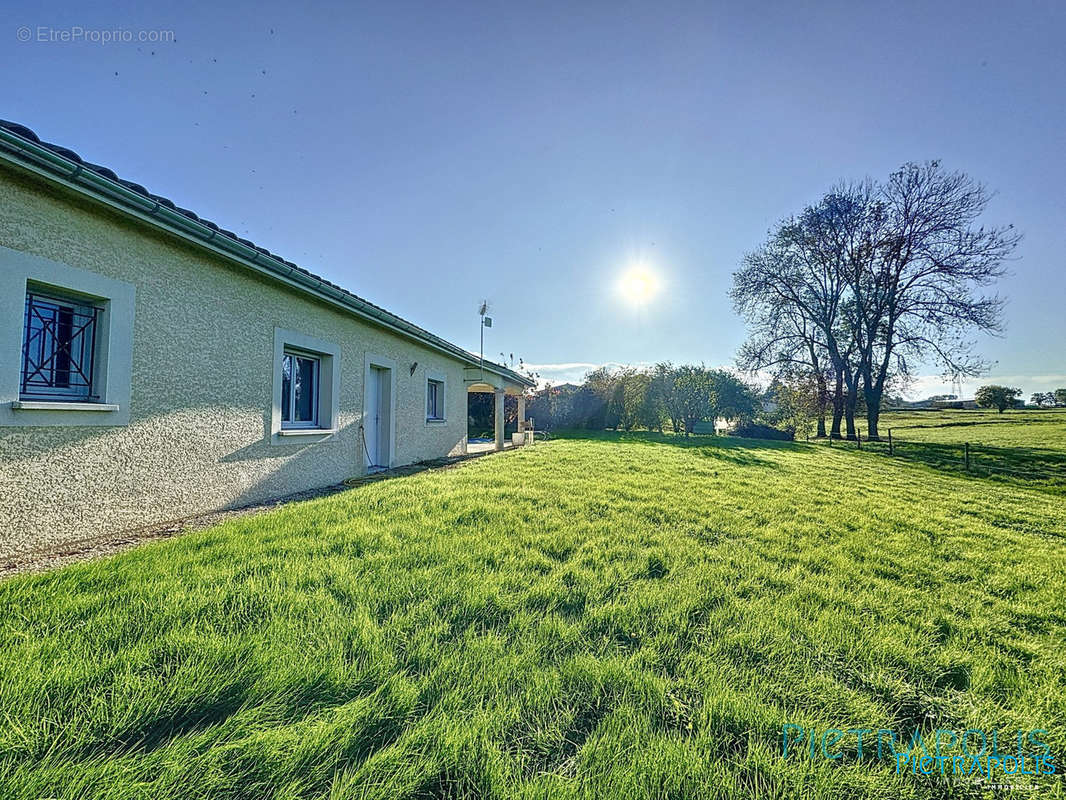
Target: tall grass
(616, 616)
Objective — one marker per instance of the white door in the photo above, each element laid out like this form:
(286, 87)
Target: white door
(372, 417)
(376, 421)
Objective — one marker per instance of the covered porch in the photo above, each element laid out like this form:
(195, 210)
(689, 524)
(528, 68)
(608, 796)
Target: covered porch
(483, 381)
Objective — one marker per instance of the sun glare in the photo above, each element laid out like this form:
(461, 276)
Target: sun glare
(638, 285)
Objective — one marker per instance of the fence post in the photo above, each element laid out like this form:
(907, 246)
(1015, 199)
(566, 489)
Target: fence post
(967, 456)
(890, 441)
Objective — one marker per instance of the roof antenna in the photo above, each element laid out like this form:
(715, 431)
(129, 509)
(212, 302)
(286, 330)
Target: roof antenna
(486, 322)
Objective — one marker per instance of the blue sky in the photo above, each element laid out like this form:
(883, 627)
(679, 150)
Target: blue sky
(428, 155)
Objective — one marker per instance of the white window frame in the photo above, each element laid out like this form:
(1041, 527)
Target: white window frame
(113, 358)
(327, 407)
(316, 387)
(442, 397)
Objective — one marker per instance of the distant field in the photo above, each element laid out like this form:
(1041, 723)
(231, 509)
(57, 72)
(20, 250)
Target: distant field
(1044, 429)
(1019, 448)
(608, 616)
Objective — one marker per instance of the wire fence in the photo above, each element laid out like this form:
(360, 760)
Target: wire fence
(1024, 463)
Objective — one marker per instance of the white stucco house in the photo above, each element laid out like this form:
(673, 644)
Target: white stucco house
(154, 365)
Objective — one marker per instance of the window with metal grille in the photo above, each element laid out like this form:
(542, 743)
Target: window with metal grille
(434, 400)
(59, 349)
(299, 390)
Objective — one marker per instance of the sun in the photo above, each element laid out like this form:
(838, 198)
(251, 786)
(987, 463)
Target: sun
(638, 285)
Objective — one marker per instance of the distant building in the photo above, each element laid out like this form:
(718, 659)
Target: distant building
(952, 403)
(939, 401)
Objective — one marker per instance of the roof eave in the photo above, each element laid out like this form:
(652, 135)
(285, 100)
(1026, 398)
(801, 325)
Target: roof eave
(87, 182)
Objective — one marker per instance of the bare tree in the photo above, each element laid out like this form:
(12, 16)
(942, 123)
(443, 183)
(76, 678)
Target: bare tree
(835, 236)
(792, 291)
(872, 279)
(917, 276)
(782, 340)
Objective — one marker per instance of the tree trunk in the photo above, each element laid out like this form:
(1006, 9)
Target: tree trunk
(823, 401)
(838, 405)
(873, 411)
(849, 415)
(851, 381)
(838, 417)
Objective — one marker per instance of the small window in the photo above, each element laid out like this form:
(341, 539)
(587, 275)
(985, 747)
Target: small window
(58, 349)
(305, 404)
(434, 400)
(66, 354)
(299, 390)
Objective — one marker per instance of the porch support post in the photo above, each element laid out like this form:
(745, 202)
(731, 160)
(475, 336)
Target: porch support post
(522, 413)
(499, 418)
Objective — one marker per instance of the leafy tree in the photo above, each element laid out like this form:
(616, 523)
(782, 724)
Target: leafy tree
(664, 388)
(731, 398)
(629, 397)
(651, 412)
(599, 396)
(1060, 397)
(1046, 399)
(693, 387)
(620, 398)
(797, 405)
(706, 394)
(998, 397)
(548, 407)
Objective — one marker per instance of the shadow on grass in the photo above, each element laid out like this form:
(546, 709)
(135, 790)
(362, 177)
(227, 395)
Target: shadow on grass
(190, 717)
(679, 440)
(1029, 467)
(734, 449)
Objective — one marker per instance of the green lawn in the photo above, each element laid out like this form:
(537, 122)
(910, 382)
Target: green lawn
(617, 616)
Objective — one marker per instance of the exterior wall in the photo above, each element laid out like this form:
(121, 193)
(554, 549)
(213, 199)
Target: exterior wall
(199, 432)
